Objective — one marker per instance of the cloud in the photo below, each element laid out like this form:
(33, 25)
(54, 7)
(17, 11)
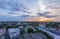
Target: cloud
(29, 9)
(52, 6)
(12, 6)
(46, 14)
(12, 18)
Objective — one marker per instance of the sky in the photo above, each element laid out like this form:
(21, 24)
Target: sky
(30, 10)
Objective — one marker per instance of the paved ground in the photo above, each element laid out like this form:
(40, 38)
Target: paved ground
(38, 36)
(27, 36)
(34, 36)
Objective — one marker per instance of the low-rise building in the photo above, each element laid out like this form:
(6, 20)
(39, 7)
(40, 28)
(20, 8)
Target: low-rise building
(2, 33)
(14, 33)
(43, 25)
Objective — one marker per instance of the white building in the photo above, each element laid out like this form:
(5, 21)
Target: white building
(14, 32)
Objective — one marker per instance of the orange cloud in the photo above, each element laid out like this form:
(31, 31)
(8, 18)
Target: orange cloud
(41, 19)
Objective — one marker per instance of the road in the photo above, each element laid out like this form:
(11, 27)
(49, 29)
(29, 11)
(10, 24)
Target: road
(52, 31)
(34, 36)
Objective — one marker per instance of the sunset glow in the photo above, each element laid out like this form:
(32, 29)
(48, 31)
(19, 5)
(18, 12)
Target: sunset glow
(30, 10)
(41, 19)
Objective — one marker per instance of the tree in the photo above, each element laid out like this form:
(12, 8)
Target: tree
(30, 30)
